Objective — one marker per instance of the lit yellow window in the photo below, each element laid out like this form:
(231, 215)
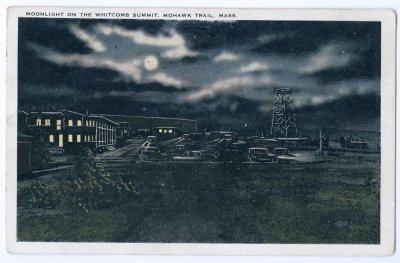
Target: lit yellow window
(165, 131)
(85, 138)
(51, 138)
(47, 122)
(169, 131)
(38, 122)
(58, 125)
(87, 123)
(70, 138)
(160, 130)
(70, 122)
(78, 138)
(79, 123)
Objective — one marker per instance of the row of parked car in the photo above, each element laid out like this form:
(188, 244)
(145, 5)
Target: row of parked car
(218, 150)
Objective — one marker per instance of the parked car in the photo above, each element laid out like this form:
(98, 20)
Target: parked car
(151, 138)
(210, 152)
(192, 154)
(261, 155)
(178, 149)
(281, 151)
(284, 155)
(109, 148)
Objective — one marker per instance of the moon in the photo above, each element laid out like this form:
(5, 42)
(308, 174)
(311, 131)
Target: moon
(150, 63)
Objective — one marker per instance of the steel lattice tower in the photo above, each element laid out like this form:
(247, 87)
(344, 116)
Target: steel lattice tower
(283, 119)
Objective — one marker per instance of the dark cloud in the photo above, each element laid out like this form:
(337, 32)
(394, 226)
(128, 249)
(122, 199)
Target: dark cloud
(303, 37)
(223, 74)
(52, 33)
(353, 111)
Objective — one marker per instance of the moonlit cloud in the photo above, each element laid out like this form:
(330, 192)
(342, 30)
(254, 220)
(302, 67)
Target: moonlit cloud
(90, 40)
(128, 68)
(184, 71)
(265, 108)
(254, 67)
(226, 56)
(172, 41)
(178, 52)
(328, 57)
(224, 75)
(166, 80)
(232, 85)
(267, 38)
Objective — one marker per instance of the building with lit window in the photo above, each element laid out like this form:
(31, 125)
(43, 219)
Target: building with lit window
(166, 132)
(68, 129)
(142, 123)
(102, 132)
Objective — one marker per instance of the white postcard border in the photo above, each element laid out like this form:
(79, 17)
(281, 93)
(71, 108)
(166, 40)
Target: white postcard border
(388, 51)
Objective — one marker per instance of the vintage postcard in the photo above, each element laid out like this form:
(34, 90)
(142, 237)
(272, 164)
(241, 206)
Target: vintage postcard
(200, 131)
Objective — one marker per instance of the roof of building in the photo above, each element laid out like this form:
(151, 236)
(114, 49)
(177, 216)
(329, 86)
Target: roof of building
(72, 112)
(103, 118)
(162, 127)
(23, 112)
(146, 117)
(47, 112)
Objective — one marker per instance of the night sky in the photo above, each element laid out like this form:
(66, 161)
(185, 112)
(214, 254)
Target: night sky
(223, 74)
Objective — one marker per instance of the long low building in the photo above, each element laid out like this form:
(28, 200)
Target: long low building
(149, 123)
(67, 128)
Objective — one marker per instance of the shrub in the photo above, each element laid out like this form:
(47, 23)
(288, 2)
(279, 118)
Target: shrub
(88, 186)
(40, 153)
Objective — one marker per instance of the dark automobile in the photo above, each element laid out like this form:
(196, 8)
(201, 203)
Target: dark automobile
(281, 151)
(261, 155)
(284, 155)
(178, 149)
(210, 152)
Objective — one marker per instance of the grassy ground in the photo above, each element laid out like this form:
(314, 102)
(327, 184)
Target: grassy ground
(332, 202)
